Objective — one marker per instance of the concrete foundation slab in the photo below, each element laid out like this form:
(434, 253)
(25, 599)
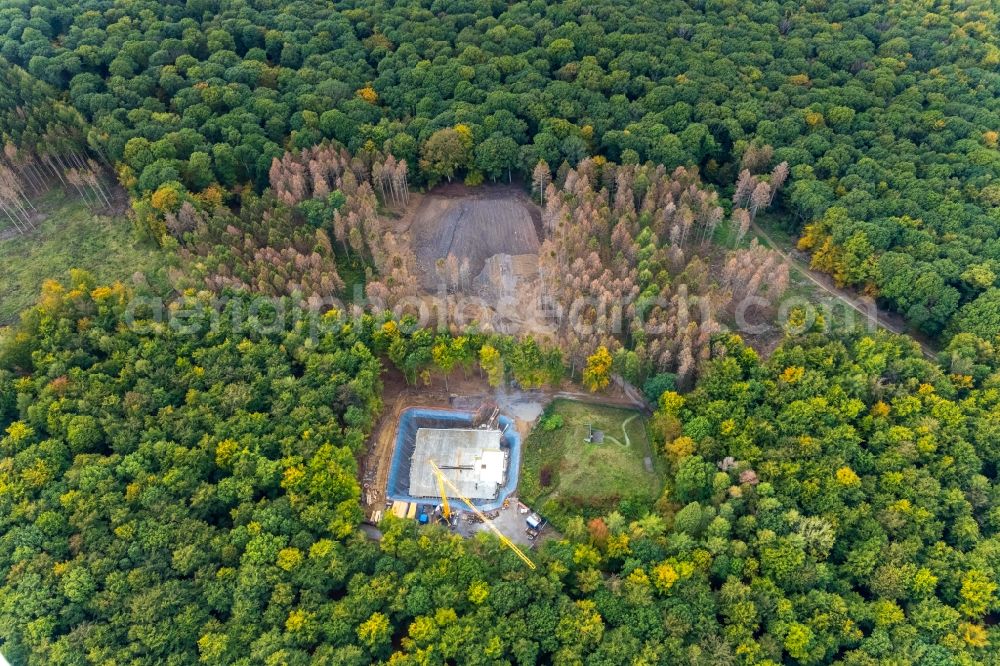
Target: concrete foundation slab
(472, 459)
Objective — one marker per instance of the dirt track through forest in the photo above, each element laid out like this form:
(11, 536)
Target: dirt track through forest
(883, 319)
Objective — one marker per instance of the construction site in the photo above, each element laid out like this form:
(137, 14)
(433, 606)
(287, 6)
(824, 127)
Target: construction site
(478, 453)
(460, 469)
(451, 452)
(454, 453)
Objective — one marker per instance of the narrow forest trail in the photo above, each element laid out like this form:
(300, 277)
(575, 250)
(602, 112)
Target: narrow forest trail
(883, 319)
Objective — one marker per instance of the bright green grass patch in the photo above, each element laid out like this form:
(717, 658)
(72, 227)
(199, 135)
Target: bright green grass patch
(70, 237)
(563, 475)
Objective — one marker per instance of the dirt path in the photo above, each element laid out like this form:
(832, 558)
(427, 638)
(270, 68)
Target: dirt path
(647, 460)
(375, 465)
(883, 319)
(628, 442)
(609, 399)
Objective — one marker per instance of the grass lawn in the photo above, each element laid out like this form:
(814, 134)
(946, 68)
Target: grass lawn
(775, 227)
(563, 475)
(70, 237)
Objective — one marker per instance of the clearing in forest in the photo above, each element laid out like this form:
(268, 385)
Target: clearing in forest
(70, 236)
(472, 225)
(563, 474)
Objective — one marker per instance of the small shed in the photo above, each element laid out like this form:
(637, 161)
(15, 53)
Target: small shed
(594, 436)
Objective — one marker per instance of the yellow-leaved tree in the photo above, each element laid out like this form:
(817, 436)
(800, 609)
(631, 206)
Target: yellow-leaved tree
(597, 374)
(492, 364)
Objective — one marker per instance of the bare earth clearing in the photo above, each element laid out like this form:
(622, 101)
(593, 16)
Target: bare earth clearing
(472, 225)
(492, 234)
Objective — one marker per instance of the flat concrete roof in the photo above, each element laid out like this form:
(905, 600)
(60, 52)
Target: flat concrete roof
(470, 458)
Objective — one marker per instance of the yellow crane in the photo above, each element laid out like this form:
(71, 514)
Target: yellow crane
(445, 509)
(442, 481)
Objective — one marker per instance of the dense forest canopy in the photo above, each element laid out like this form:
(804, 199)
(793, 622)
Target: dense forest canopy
(886, 113)
(170, 497)
(178, 492)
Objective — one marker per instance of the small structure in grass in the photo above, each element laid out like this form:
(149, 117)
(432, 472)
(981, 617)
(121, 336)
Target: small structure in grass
(594, 436)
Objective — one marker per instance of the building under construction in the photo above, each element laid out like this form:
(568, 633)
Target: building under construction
(472, 459)
(478, 453)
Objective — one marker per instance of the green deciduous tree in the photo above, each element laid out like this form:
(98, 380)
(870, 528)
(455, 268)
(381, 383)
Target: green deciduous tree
(445, 152)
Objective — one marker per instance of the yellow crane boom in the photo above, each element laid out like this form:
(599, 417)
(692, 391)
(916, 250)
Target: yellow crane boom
(443, 480)
(445, 509)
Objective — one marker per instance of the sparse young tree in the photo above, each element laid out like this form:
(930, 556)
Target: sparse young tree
(778, 177)
(739, 225)
(745, 185)
(541, 176)
(756, 159)
(759, 199)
